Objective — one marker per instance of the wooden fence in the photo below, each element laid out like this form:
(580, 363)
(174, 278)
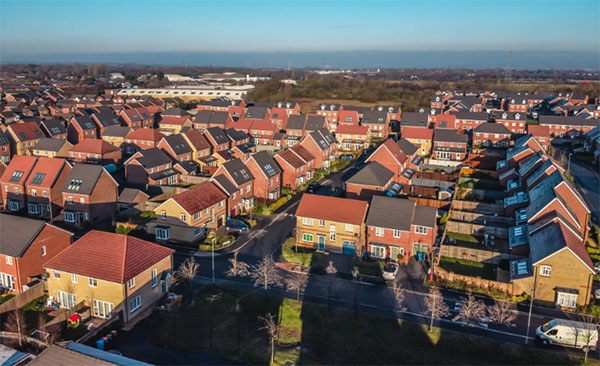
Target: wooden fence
(193, 179)
(473, 254)
(479, 207)
(481, 219)
(437, 176)
(507, 287)
(24, 298)
(63, 314)
(475, 229)
(445, 205)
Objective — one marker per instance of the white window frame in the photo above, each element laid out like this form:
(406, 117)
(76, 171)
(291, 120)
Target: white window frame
(421, 229)
(375, 251)
(397, 234)
(73, 278)
(379, 231)
(56, 274)
(545, 270)
(166, 236)
(135, 303)
(131, 283)
(566, 299)
(322, 223)
(198, 231)
(9, 260)
(307, 221)
(154, 274)
(349, 228)
(106, 306)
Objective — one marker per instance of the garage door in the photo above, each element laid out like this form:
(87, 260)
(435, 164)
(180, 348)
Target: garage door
(348, 247)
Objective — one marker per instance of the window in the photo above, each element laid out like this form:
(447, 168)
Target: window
(131, 283)
(396, 233)
(221, 204)
(420, 230)
(7, 281)
(545, 271)
(56, 274)
(163, 215)
(307, 221)
(198, 231)
(70, 200)
(162, 233)
(377, 251)
(73, 278)
(82, 200)
(332, 232)
(197, 215)
(32, 208)
(349, 227)
(43, 250)
(307, 237)
(321, 222)
(566, 299)
(135, 304)
(182, 217)
(44, 194)
(379, 231)
(70, 216)
(9, 260)
(154, 277)
(33, 193)
(93, 282)
(66, 299)
(102, 309)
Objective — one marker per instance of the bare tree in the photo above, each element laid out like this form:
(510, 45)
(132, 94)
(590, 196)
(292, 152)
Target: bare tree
(271, 327)
(51, 332)
(15, 322)
(471, 312)
(399, 296)
(502, 314)
(187, 270)
(435, 306)
(237, 268)
(331, 268)
(265, 273)
(297, 282)
(355, 272)
(588, 332)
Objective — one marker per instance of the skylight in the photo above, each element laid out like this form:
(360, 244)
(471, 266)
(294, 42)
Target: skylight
(16, 176)
(75, 184)
(38, 178)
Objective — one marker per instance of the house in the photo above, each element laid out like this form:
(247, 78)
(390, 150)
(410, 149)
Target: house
(411, 151)
(449, 145)
(517, 103)
(129, 198)
(491, 134)
(398, 228)
(173, 124)
(189, 216)
(141, 138)
(26, 245)
(217, 138)
(393, 111)
(177, 147)
(541, 134)
(95, 151)
(267, 175)
(558, 267)
(390, 155)
(331, 223)
(414, 119)
(352, 137)
(5, 150)
(207, 118)
(466, 121)
(52, 148)
(104, 117)
(378, 122)
(513, 121)
(302, 125)
(258, 112)
(115, 135)
(280, 114)
(137, 117)
(23, 137)
(322, 145)
(89, 195)
(80, 354)
(243, 180)
(371, 180)
(348, 118)
(237, 137)
(81, 128)
(443, 121)
(43, 187)
(150, 167)
(297, 165)
(54, 128)
(198, 143)
(331, 114)
(12, 182)
(262, 132)
(114, 275)
(568, 126)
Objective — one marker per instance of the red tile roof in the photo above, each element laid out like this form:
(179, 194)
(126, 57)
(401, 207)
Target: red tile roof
(146, 134)
(263, 125)
(352, 130)
(18, 163)
(174, 120)
(200, 197)
(108, 256)
(94, 146)
(303, 153)
(293, 159)
(575, 245)
(51, 167)
(28, 129)
(539, 131)
(197, 139)
(344, 113)
(417, 133)
(393, 149)
(241, 124)
(344, 210)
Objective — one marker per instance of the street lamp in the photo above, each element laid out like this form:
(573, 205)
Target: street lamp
(529, 317)
(569, 163)
(213, 258)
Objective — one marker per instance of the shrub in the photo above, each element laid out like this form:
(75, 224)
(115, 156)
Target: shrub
(123, 230)
(444, 218)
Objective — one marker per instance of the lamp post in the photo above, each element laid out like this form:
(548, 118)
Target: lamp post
(529, 317)
(569, 163)
(213, 259)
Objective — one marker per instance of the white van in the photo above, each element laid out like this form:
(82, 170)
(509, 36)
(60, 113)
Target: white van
(568, 333)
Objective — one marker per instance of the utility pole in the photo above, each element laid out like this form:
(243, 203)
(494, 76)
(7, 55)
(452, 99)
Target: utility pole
(213, 259)
(531, 305)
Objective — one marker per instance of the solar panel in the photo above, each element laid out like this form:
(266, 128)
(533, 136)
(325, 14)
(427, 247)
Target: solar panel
(521, 268)
(38, 178)
(16, 176)
(75, 184)
(518, 231)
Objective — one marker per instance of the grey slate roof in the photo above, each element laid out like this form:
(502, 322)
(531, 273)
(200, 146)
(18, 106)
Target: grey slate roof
(373, 174)
(49, 144)
(314, 123)
(179, 144)
(424, 216)
(407, 147)
(82, 179)
(107, 118)
(85, 122)
(3, 138)
(238, 171)
(498, 128)
(296, 122)
(17, 233)
(374, 117)
(236, 135)
(175, 112)
(218, 134)
(266, 163)
(54, 126)
(414, 119)
(212, 117)
(225, 184)
(128, 195)
(568, 121)
(153, 157)
(449, 135)
(545, 242)
(116, 131)
(256, 112)
(391, 213)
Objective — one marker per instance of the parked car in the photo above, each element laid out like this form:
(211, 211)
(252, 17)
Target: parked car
(568, 333)
(597, 294)
(236, 226)
(313, 187)
(597, 267)
(346, 157)
(390, 271)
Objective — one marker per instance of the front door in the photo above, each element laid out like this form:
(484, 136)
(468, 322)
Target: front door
(394, 253)
(321, 242)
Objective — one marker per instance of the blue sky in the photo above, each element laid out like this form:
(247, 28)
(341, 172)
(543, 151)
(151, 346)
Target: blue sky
(89, 26)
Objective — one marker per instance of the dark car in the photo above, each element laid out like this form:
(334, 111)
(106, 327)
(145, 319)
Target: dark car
(236, 226)
(312, 188)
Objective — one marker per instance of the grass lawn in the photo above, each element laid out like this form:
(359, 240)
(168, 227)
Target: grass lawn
(304, 256)
(221, 239)
(33, 313)
(468, 268)
(4, 298)
(462, 237)
(310, 334)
